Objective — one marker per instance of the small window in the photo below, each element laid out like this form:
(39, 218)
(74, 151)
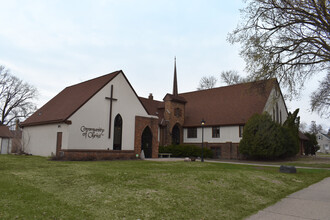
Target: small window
(215, 132)
(192, 133)
(241, 128)
(178, 112)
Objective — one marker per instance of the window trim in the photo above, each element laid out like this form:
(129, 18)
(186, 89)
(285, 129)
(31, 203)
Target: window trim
(240, 130)
(218, 134)
(192, 135)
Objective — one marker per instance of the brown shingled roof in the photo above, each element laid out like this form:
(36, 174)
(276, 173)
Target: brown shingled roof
(68, 101)
(229, 105)
(152, 106)
(302, 136)
(5, 132)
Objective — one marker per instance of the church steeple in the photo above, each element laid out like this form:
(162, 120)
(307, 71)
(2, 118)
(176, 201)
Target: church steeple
(175, 82)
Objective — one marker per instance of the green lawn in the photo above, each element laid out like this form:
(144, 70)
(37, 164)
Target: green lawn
(36, 188)
(322, 154)
(304, 161)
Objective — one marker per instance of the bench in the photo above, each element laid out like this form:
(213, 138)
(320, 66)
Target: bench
(161, 155)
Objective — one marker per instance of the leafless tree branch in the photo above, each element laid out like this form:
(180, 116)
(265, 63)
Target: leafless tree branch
(286, 39)
(15, 98)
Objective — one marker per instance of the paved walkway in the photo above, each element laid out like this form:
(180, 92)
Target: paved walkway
(312, 202)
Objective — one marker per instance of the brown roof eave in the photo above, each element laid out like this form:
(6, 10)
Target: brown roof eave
(22, 125)
(212, 125)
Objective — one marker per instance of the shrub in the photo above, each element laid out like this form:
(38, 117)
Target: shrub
(186, 151)
(263, 138)
(311, 146)
(291, 126)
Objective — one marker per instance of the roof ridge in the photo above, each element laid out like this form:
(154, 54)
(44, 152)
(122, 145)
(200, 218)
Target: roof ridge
(325, 135)
(115, 72)
(226, 86)
(154, 100)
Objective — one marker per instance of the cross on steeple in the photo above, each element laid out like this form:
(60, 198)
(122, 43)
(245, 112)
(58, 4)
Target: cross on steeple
(111, 99)
(175, 83)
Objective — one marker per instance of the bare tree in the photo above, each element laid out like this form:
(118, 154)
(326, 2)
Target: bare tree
(314, 128)
(231, 77)
(286, 39)
(15, 98)
(320, 99)
(207, 82)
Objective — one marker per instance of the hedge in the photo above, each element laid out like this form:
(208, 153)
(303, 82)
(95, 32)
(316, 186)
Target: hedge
(186, 151)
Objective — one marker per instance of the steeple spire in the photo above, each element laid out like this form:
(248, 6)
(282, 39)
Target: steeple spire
(175, 83)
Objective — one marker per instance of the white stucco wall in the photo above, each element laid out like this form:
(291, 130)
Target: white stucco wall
(323, 142)
(95, 114)
(271, 104)
(5, 145)
(227, 134)
(41, 140)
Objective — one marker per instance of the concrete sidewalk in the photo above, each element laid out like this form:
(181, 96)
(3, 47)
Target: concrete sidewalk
(312, 202)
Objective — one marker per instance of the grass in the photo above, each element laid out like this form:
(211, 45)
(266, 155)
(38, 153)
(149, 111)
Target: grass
(311, 161)
(303, 161)
(36, 188)
(323, 154)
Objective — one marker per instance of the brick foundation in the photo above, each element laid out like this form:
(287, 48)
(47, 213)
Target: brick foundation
(140, 124)
(97, 154)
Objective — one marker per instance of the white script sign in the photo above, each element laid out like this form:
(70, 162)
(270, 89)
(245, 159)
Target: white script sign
(91, 132)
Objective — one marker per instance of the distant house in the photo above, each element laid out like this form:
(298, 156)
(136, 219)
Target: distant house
(324, 142)
(104, 118)
(5, 140)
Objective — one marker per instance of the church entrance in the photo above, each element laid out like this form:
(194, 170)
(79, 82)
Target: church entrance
(117, 133)
(146, 142)
(176, 135)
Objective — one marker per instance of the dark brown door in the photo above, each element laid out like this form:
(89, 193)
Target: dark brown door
(58, 143)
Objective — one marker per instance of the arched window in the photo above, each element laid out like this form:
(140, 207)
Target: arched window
(146, 142)
(117, 133)
(176, 135)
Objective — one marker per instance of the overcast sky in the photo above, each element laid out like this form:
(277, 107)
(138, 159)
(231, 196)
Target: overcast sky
(54, 44)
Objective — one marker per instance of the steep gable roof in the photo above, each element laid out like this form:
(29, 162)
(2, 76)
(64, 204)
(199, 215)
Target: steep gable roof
(68, 101)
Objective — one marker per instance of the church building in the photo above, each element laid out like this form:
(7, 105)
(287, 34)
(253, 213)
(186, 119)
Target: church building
(104, 118)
